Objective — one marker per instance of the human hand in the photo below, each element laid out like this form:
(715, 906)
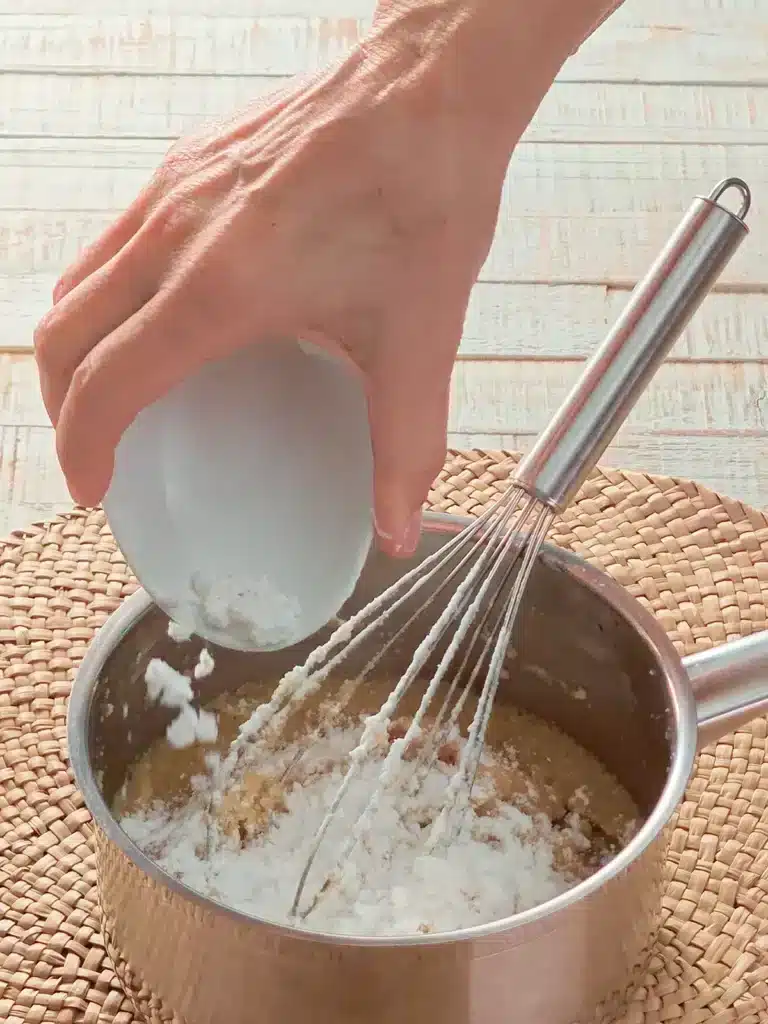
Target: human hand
(352, 211)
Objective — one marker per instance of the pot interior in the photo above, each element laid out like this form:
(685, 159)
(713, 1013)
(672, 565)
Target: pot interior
(575, 662)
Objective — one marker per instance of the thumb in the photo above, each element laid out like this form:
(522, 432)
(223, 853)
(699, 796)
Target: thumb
(408, 409)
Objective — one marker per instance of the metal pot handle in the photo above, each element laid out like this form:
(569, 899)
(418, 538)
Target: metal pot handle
(730, 684)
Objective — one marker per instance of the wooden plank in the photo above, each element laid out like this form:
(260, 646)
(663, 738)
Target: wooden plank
(700, 420)
(165, 107)
(32, 486)
(569, 214)
(21, 404)
(511, 398)
(504, 322)
(509, 322)
(649, 11)
(733, 466)
(138, 9)
(84, 105)
(519, 397)
(687, 12)
(544, 179)
(610, 249)
(672, 50)
(23, 300)
(701, 45)
(246, 46)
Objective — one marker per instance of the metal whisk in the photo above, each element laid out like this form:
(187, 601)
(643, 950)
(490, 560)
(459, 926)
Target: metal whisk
(480, 563)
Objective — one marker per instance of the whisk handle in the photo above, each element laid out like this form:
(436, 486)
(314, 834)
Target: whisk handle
(658, 310)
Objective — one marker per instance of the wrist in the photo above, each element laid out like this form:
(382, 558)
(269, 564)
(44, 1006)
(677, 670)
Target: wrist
(488, 61)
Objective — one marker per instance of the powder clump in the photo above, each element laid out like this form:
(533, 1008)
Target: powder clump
(205, 664)
(269, 617)
(172, 689)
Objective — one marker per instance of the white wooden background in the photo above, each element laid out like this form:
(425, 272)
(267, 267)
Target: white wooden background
(668, 97)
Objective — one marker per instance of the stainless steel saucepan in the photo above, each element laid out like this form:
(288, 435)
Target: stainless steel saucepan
(645, 715)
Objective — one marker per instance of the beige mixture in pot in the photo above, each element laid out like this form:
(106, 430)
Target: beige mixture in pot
(545, 814)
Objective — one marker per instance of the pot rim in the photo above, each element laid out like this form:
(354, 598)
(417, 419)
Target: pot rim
(682, 706)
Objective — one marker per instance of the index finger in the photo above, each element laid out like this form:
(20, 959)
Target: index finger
(184, 326)
(104, 248)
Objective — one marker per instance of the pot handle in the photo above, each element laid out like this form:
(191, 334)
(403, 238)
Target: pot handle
(730, 684)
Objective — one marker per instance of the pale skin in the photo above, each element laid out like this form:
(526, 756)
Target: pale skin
(354, 209)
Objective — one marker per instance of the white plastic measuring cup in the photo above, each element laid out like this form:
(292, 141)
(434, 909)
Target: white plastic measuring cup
(243, 499)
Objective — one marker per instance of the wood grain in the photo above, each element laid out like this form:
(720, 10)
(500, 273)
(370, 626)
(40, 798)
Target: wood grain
(612, 250)
(504, 322)
(138, 10)
(544, 179)
(545, 322)
(643, 12)
(33, 487)
(704, 421)
(31, 484)
(703, 44)
(164, 107)
(20, 401)
(694, 398)
(585, 214)
(503, 397)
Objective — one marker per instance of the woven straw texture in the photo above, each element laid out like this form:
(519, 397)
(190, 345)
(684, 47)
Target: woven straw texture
(699, 561)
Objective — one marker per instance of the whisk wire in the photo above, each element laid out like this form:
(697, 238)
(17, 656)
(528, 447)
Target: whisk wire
(463, 781)
(494, 550)
(303, 681)
(442, 730)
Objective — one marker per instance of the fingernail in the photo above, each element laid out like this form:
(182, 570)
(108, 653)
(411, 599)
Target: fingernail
(406, 544)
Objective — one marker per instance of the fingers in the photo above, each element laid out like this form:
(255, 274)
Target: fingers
(409, 416)
(104, 248)
(95, 308)
(195, 318)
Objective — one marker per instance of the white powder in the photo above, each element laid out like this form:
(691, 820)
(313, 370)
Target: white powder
(182, 732)
(205, 664)
(167, 685)
(501, 863)
(172, 689)
(259, 609)
(207, 729)
(178, 632)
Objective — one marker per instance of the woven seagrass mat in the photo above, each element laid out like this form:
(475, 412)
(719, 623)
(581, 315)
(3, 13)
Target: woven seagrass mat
(698, 560)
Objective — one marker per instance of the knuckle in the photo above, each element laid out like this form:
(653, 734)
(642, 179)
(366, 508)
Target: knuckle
(82, 385)
(61, 287)
(44, 334)
(174, 217)
(82, 375)
(176, 163)
(78, 384)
